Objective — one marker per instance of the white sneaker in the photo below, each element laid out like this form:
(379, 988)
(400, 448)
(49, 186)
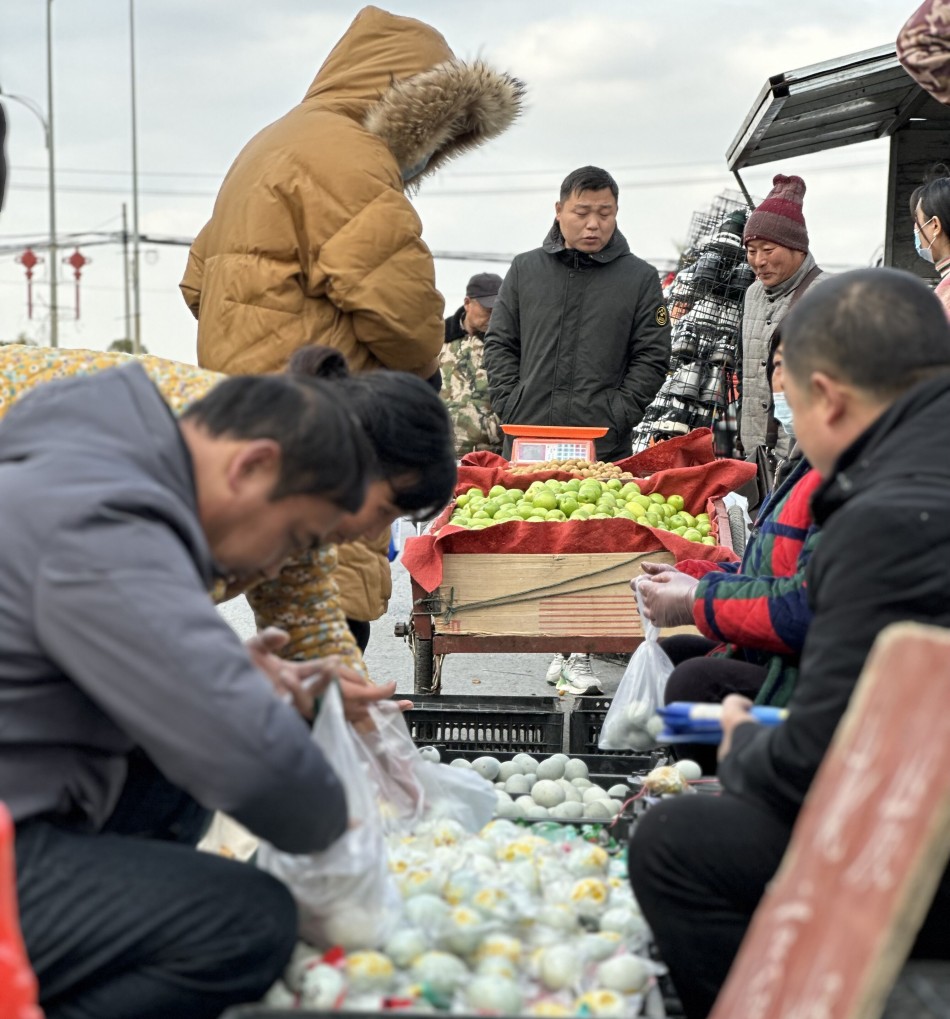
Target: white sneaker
(578, 677)
(556, 669)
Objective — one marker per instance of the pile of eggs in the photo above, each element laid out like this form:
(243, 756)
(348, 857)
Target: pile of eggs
(557, 787)
(509, 921)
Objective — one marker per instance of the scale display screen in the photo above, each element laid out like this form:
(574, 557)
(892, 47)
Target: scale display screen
(537, 451)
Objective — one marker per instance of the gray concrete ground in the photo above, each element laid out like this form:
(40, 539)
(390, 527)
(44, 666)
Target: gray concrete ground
(389, 657)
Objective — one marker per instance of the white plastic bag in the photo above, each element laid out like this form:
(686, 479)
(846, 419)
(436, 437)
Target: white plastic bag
(632, 722)
(345, 895)
(457, 794)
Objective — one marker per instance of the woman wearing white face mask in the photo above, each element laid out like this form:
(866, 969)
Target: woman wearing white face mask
(930, 207)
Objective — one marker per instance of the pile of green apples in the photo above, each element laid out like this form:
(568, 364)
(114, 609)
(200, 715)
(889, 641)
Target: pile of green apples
(580, 499)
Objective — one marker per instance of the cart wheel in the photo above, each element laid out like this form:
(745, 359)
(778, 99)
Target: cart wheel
(423, 665)
(737, 529)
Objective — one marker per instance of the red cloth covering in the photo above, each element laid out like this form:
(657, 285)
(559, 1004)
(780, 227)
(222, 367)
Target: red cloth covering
(483, 469)
(697, 483)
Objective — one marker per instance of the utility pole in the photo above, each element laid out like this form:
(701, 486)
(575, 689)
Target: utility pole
(125, 272)
(136, 288)
(53, 253)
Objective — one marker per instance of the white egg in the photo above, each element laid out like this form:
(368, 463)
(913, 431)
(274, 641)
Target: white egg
(460, 762)
(558, 916)
(494, 994)
(405, 946)
(655, 726)
(368, 971)
(601, 1001)
(590, 896)
(595, 792)
(624, 973)
(598, 810)
(323, 987)
(532, 777)
(548, 793)
(638, 713)
(517, 785)
(616, 806)
(571, 792)
(600, 945)
(501, 796)
(499, 785)
(627, 922)
(690, 770)
(551, 768)
(426, 911)
(569, 810)
(443, 972)
(535, 812)
(619, 791)
(527, 762)
(576, 768)
(559, 967)
(508, 809)
(588, 861)
(430, 754)
(500, 946)
(463, 931)
(508, 768)
(581, 783)
(487, 767)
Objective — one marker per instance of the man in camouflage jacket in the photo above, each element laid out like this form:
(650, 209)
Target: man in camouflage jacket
(464, 380)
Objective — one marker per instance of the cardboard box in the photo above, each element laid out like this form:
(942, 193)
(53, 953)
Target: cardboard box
(531, 595)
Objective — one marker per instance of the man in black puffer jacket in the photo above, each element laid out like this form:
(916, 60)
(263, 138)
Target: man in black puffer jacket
(579, 334)
(867, 375)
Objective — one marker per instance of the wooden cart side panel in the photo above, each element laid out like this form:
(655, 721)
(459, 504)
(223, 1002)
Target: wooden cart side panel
(553, 595)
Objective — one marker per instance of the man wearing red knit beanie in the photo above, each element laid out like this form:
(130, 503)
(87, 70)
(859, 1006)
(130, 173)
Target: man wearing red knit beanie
(776, 243)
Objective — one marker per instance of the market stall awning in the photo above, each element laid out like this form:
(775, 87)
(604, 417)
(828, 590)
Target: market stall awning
(850, 99)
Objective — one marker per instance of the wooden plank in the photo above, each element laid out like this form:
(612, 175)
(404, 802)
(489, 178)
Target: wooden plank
(867, 852)
(532, 595)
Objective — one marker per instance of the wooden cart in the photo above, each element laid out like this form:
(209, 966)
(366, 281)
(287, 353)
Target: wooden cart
(510, 604)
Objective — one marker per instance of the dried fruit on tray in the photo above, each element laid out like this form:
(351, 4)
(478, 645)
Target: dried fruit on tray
(582, 468)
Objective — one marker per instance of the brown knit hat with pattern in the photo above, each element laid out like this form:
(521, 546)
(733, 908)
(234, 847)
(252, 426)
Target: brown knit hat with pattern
(779, 218)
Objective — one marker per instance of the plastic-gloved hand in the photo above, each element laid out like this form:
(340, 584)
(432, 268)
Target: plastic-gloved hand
(668, 598)
(652, 569)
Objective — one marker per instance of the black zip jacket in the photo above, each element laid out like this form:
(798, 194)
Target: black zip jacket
(578, 339)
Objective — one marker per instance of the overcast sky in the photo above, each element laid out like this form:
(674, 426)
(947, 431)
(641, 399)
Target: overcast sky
(654, 92)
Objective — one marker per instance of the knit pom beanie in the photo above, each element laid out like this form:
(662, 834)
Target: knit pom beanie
(779, 218)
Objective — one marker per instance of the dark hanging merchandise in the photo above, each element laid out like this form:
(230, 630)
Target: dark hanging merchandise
(705, 301)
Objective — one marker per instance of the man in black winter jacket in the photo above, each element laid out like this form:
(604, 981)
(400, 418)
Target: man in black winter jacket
(580, 334)
(867, 375)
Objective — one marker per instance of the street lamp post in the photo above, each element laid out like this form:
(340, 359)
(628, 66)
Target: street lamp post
(37, 112)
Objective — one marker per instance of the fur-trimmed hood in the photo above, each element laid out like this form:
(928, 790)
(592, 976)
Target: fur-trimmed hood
(399, 79)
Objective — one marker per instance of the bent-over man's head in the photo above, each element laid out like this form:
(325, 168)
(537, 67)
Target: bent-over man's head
(775, 235)
(277, 460)
(586, 213)
(852, 347)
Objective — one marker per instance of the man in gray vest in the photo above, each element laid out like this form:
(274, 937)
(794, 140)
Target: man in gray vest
(776, 243)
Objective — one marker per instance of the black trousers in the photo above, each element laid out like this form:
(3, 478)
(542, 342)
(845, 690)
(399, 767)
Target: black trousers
(699, 866)
(708, 681)
(360, 630)
(135, 923)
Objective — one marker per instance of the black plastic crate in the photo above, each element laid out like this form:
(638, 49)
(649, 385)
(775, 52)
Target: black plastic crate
(487, 725)
(586, 721)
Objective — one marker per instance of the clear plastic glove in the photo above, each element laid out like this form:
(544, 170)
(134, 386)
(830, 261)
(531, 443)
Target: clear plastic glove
(301, 683)
(654, 569)
(668, 598)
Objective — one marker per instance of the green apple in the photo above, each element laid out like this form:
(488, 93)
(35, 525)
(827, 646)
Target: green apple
(708, 540)
(525, 510)
(636, 509)
(657, 498)
(569, 504)
(614, 484)
(645, 501)
(676, 501)
(691, 534)
(545, 500)
(555, 514)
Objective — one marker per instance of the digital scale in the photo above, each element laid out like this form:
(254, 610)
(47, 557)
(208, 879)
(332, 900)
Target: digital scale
(537, 443)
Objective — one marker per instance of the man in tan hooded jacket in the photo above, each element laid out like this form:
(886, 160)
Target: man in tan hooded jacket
(313, 240)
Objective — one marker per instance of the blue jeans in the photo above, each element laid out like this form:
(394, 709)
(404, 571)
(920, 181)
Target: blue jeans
(134, 923)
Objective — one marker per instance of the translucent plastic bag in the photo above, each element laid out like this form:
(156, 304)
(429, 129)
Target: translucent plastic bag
(345, 895)
(457, 794)
(632, 722)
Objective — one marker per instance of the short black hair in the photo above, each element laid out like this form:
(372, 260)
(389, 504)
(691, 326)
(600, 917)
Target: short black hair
(882, 330)
(324, 450)
(934, 197)
(588, 178)
(406, 423)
